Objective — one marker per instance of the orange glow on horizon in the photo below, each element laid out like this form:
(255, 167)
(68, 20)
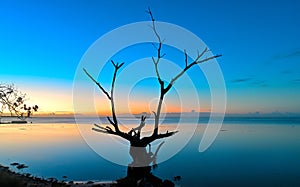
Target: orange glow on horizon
(59, 102)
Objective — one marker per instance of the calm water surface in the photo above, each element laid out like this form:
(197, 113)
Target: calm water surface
(247, 152)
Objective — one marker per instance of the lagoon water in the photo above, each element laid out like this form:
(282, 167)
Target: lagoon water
(246, 152)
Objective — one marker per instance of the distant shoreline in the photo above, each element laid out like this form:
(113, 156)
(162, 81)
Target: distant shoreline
(165, 120)
(170, 114)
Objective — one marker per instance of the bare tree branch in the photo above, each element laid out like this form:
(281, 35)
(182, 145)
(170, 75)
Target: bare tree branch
(197, 61)
(114, 116)
(139, 128)
(108, 130)
(100, 129)
(161, 82)
(114, 121)
(110, 121)
(163, 89)
(97, 83)
(147, 140)
(185, 58)
(159, 56)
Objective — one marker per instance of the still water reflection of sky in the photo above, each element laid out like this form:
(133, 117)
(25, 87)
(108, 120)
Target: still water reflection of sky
(267, 155)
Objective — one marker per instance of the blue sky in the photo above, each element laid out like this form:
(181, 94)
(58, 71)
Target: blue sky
(42, 43)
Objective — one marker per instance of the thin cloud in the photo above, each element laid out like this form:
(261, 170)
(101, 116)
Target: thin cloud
(283, 56)
(286, 72)
(296, 81)
(241, 80)
(288, 55)
(250, 81)
(261, 83)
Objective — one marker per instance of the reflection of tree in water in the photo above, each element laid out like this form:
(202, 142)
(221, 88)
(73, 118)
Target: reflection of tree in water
(141, 157)
(139, 170)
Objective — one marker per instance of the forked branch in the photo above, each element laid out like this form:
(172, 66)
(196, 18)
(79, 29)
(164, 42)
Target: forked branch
(114, 120)
(160, 42)
(137, 130)
(163, 89)
(196, 61)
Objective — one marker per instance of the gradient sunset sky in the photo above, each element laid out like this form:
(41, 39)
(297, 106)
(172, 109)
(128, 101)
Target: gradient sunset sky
(42, 42)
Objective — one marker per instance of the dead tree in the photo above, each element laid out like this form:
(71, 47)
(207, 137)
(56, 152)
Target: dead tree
(133, 136)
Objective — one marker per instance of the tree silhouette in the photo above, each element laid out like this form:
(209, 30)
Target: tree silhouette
(133, 136)
(13, 100)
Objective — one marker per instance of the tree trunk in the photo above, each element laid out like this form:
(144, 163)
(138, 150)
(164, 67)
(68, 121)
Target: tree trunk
(141, 177)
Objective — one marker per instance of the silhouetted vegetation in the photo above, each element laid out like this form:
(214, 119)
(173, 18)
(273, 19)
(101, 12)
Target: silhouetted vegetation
(13, 101)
